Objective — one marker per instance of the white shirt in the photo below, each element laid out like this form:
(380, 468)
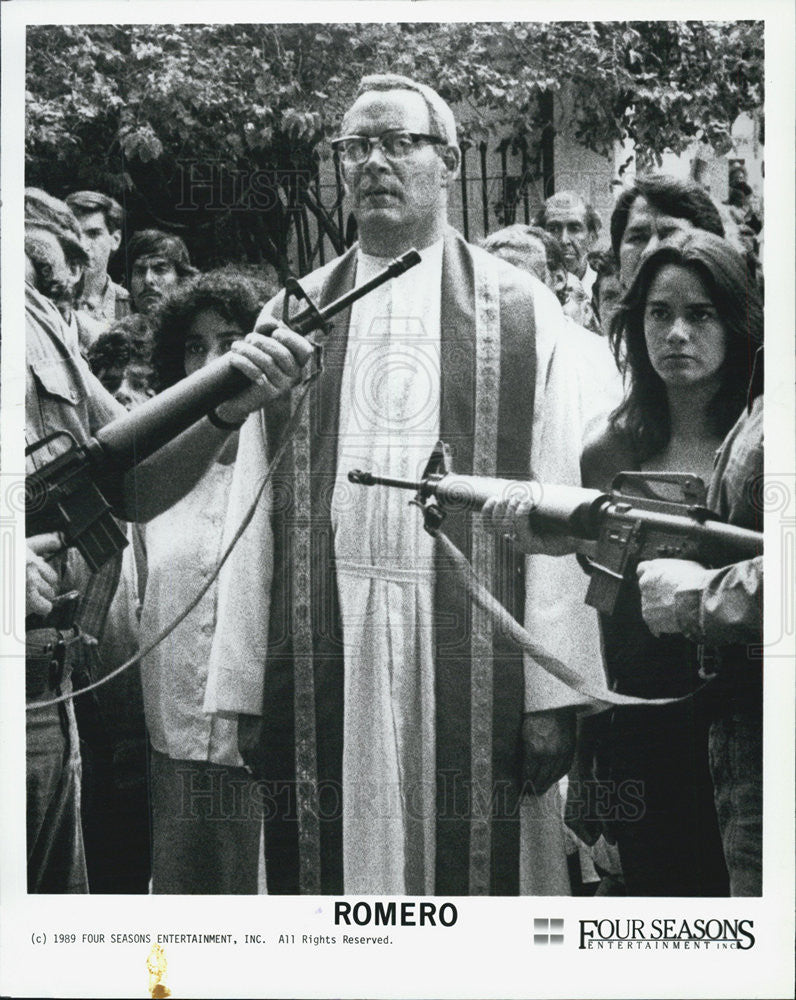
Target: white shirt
(588, 279)
(183, 546)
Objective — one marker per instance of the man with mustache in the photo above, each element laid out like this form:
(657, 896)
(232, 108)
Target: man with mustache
(650, 210)
(393, 726)
(157, 261)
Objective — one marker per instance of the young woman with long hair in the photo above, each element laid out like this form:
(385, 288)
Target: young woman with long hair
(687, 333)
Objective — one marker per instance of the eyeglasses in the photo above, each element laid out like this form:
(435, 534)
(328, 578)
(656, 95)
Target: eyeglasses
(396, 145)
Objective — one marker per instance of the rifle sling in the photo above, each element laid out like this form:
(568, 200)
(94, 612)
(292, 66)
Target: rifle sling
(505, 623)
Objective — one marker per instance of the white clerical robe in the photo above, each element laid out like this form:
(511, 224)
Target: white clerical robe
(389, 421)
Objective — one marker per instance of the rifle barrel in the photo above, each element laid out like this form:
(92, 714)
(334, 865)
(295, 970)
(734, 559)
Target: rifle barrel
(130, 439)
(368, 479)
(577, 511)
(306, 321)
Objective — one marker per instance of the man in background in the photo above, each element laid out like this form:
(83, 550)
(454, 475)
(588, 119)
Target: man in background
(532, 249)
(572, 220)
(606, 292)
(651, 209)
(100, 218)
(157, 262)
(597, 387)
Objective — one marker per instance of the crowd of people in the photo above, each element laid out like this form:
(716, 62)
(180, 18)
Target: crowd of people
(334, 714)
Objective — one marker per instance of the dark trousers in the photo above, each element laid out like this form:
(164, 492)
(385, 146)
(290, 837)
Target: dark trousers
(662, 812)
(116, 816)
(206, 822)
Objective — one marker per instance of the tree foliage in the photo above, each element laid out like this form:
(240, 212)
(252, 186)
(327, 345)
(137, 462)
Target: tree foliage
(216, 131)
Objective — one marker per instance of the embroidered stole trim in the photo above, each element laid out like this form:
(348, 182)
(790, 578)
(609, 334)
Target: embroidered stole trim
(480, 692)
(309, 835)
(303, 695)
(486, 415)
(487, 378)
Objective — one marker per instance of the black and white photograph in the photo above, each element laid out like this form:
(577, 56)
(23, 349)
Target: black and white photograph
(395, 500)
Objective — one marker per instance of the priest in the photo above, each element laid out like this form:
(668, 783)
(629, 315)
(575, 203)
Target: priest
(404, 746)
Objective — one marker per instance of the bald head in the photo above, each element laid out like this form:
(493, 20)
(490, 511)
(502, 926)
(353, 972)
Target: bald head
(440, 116)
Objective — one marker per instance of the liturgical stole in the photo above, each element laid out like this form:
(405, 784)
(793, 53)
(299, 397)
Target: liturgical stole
(488, 372)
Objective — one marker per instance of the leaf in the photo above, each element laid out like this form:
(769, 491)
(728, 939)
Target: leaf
(141, 98)
(141, 143)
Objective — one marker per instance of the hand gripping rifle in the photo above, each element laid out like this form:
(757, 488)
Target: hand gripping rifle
(614, 531)
(69, 493)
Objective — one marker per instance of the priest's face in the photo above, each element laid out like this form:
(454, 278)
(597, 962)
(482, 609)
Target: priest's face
(399, 190)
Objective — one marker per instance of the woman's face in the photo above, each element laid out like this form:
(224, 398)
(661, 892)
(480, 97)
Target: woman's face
(686, 340)
(209, 336)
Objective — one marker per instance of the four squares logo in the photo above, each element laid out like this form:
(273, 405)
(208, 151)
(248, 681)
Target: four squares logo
(634, 934)
(546, 931)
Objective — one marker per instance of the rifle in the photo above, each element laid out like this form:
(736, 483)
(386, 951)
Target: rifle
(69, 494)
(613, 531)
